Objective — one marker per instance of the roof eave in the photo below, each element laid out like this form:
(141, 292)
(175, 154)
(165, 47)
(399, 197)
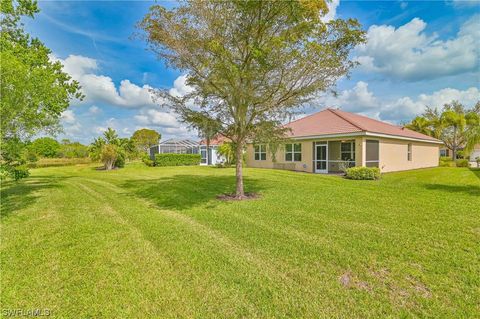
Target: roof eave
(366, 133)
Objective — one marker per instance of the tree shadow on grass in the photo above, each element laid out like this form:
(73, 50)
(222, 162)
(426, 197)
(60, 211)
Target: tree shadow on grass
(180, 192)
(19, 195)
(465, 189)
(476, 172)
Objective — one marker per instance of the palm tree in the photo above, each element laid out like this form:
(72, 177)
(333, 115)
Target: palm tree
(111, 136)
(420, 124)
(472, 134)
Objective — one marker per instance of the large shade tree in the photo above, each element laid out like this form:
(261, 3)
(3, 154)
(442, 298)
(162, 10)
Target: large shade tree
(145, 138)
(34, 89)
(250, 64)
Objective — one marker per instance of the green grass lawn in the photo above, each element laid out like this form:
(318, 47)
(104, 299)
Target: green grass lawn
(155, 242)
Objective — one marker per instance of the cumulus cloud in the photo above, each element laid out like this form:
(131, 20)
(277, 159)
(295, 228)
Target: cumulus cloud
(180, 86)
(332, 10)
(94, 109)
(70, 124)
(68, 116)
(357, 99)
(360, 100)
(408, 53)
(101, 88)
(157, 118)
(406, 108)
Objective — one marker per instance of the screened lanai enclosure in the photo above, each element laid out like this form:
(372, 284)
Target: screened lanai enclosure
(334, 156)
(175, 146)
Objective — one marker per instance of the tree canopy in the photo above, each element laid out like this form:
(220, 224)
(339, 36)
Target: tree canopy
(250, 64)
(34, 89)
(454, 124)
(111, 149)
(145, 138)
(45, 147)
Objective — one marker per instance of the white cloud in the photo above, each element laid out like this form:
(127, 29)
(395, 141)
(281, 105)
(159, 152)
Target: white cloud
(360, 100)
(332, 10)
(70, 124)
(408, 53)
(94, 109)
(68, 116)
(101, 88)
(180, 87)
(406, 108)
(357, 99)
(157, 118)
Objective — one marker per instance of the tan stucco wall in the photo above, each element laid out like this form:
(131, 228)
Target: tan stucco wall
(393, 155)
(306, 165)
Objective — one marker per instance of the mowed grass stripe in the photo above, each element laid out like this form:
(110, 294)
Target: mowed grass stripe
(275, 272)
(295, 275)
(158, 241)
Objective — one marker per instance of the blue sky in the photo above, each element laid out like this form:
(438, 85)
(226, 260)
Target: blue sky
(418, 53)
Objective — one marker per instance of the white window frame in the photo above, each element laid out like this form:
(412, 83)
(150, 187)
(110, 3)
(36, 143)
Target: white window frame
(262, 150)
(293, 152)
(409, 151)
(351, 152)
(373, 161)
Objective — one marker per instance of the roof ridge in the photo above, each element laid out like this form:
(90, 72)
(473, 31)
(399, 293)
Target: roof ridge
(308, 115)
(345, 119)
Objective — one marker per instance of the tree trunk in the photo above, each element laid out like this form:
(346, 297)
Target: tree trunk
(239, 193)
(454, 148)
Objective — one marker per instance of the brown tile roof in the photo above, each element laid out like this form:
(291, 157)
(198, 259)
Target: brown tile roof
(331, 121)
(217, 140)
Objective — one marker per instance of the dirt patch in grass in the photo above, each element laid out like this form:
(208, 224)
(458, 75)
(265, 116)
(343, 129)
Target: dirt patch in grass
(233, 197)
(348, 280)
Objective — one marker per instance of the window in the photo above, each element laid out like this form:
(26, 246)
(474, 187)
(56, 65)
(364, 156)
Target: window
(293, 152)
(260, 152)
(444, 152)
(409, 151)
(347, 151)
(372, 153)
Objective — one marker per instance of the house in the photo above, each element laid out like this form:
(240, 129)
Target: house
(475, 153)
(328, 141)
(213, 157)
(176, 146)
(445, 152)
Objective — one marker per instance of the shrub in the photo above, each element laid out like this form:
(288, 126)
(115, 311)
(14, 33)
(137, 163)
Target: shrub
(109, 156)
(19, 172)
(14, 172)
(363, 173)
(148, 161)
(177, 159)
(461, 163)
(120, 162)
(446, 161)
